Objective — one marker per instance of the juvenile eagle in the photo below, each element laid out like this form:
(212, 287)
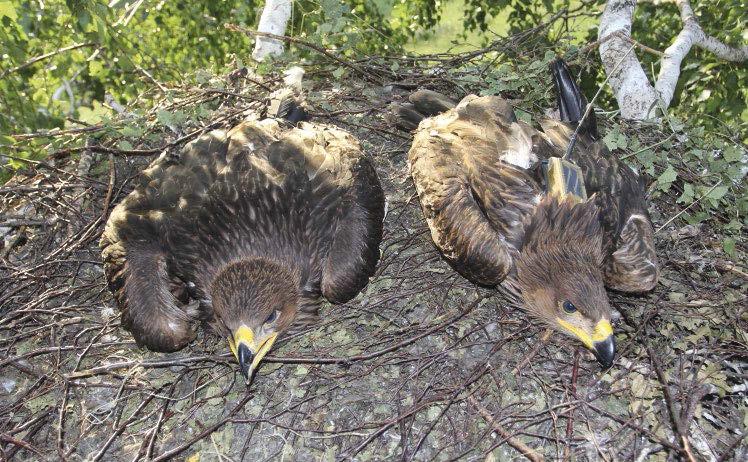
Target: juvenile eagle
(246, 230)
(504, 207)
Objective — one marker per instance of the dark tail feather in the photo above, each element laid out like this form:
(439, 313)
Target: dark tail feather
(571, 101)
(284, 104)
(430, 103)
(423, 104)
(404, 116)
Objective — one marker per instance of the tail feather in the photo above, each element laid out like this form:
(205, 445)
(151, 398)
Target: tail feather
(285, 104)
(430, 103)
(423, 104)
(404, 116)
(571, 102)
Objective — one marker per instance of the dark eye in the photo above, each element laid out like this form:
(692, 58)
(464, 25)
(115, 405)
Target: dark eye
(569, 307)
(273, 316)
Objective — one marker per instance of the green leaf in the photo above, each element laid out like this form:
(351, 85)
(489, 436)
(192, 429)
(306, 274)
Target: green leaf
(666, 178)
(732, 154)
(124, 145)
(728, 245)
(615, 139)
(338, 73)
(687, 196)
(8, 10)
(95, 68)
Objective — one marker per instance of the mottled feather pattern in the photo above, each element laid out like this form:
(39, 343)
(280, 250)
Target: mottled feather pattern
(476, 172)
(306, 198)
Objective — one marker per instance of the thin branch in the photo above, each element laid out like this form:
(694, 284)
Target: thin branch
(319, 49)
(523, 449)
(35, 60)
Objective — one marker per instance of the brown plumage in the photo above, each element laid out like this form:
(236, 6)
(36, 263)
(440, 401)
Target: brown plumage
(247, 230)
(477, 171)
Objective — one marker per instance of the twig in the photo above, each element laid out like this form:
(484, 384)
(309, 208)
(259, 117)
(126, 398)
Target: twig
(544, 337)
(173, 452)
(523, 449)
(319, 49)
(688, 207)
(35, 60)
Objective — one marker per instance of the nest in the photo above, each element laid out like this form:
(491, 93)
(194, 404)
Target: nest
(422, 365)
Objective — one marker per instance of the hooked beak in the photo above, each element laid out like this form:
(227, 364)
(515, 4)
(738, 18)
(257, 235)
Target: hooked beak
(602, 342)
(249, 350)
(605, 351)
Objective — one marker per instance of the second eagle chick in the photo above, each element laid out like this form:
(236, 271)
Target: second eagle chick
(505, 207)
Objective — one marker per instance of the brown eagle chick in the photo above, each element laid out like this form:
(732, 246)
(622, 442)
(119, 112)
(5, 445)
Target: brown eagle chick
(246, 230)
(506, 205)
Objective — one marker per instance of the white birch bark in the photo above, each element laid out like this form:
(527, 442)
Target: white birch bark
(637, 97)
(274, 20)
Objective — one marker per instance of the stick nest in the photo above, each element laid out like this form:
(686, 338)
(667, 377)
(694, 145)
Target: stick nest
(422, 365)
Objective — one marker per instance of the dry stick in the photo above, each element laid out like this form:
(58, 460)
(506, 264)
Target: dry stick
(685, 447)
(524, 449)
(19, 443)
(689, 206)
(531, 354)
(677, 423)
(235, 28)
(640, 45)
(274, 359)
(570, 419)
(573, 138)
(208, 431)
(122, 427)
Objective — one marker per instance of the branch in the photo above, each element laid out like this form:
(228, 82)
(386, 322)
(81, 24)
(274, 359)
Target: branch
(634, 92)
(691, 34)
(630, 84)
(517, 444)
(35, 60)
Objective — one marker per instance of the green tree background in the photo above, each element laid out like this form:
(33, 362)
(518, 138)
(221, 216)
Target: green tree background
(124, 46)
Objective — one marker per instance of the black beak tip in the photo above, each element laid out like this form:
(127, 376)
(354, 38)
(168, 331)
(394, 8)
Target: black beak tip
(605, 351)
(245, 360)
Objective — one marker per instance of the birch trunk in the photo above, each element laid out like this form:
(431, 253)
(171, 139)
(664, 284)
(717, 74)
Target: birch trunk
(637, 97)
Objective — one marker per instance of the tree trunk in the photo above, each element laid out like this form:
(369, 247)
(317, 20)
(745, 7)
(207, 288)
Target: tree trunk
(274, 20)
(637, 97)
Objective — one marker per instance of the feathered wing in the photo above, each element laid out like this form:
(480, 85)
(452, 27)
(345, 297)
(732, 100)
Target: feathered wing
(472, 195)
(138, 239)
(350, 202)
(631, 263)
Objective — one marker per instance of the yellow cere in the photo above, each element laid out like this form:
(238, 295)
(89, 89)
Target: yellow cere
(242, 335)
(602, 331)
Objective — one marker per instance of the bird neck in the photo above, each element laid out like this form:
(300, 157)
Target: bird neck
(567, 225)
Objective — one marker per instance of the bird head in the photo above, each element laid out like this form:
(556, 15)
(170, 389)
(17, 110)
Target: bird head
(559, 273)
(254, 301)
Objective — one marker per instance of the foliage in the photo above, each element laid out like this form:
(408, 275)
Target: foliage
(709, 90)
(139, 54)
(125, 47)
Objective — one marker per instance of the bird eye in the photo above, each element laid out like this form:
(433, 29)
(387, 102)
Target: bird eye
(569, 307)
(273, 316)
